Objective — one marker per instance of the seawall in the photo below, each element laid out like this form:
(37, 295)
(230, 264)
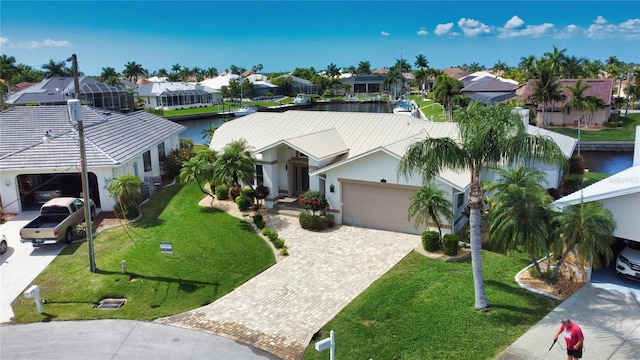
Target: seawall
(606, 146)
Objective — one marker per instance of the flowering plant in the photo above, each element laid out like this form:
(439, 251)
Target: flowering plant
(313, 202)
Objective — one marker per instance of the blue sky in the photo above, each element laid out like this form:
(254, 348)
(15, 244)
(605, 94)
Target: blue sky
(283, 35)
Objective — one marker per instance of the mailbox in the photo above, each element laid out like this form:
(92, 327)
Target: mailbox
(33, 291)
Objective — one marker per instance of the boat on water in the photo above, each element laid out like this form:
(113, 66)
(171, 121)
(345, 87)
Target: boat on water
(302, 99)
(404, 107)
(244, 110)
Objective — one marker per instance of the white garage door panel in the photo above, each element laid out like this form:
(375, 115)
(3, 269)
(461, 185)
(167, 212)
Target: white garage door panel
(378, 207)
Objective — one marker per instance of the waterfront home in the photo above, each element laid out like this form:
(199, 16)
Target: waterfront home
(174, 95)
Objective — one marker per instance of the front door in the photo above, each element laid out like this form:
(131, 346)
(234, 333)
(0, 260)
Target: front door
(299, 178)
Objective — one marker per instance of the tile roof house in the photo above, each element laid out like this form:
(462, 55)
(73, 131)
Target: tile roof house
(116, 144)
(57, 90)
(174, 95)
(456, 73)
(350, 157)
(601, 88)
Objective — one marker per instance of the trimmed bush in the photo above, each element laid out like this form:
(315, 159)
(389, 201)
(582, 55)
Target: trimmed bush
(222, 192)
(260, 224)
(314, 202)
(243, 203)
(450, 244)
(314, 222)
(284, 251)
(431, 241)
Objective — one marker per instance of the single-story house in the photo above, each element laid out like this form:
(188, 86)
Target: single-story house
(364, 83)
(557, 116)
(174, 95)
(57, 90)
(33, 170)
(489, 90)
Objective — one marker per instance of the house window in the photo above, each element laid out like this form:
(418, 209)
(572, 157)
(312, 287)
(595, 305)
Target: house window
(460, 200)
(259, 175)
(146, 158)
(161, 153)
(300, 155)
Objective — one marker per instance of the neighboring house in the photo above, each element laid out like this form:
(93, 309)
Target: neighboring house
(350, 157)
(32, 170)
(57, 90)
(557, 116)
(174, 95)
(261, 87)
(303, 86)
(456, 73)
(488, 89)
(364, 84)
(620, 193)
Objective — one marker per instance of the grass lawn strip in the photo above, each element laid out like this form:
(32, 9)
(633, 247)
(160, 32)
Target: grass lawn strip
(423, 309)
(213, 254)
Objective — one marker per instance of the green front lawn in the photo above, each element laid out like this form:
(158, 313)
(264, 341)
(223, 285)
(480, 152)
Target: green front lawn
(423, 309)
(625, 133)
(213, 254)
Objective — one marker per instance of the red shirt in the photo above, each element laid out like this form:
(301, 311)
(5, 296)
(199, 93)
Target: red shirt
(572, 334)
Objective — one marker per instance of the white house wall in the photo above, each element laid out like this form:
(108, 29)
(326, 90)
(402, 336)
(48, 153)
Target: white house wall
(627, 224)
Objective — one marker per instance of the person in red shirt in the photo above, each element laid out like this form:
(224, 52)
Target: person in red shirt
(573, 336)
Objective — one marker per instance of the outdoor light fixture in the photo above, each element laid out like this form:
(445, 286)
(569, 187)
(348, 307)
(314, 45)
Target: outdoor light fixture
(383, 180)
(332, 188)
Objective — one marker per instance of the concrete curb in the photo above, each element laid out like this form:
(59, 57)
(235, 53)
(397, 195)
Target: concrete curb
(522, 285)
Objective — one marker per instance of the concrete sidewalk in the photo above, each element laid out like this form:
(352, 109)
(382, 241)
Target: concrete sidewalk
(608, 311)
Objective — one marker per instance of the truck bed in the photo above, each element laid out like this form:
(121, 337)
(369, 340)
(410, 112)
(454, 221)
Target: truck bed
(46, 221)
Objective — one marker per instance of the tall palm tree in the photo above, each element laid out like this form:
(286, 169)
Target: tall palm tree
(234, 164)
(132, 70)
(125, 188)
(109, 76)
(8, 70)
(578, 101)
(488, 135)
(520, 212)
(53, 69)
(546, 88)
(207, 134)
(527, 65)
(444, 90)
(593, 104)
(499, 68)
(364, 67)
(557, 58)
(429, 203)
(200, 169)
(586, 228)
(421, 61)
(212, 72)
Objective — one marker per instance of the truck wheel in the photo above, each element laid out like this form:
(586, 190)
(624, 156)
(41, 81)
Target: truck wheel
(68, 236)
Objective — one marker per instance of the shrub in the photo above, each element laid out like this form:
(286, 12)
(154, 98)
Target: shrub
(278, 243)
(131, 211)
(313, 202)
(243, 203)
(260, 224)
(450, 244)
(572, 183)
(222, 192)
(249, 192)
(284, 251)
(431, 241)
(257, 217)
(234, 192)
(315, 222)
(172, 164)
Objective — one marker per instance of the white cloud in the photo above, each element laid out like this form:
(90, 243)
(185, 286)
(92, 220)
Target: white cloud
(45, 43)
(530, 30)
(473, 28)
(422, 32)
(384, 33)
(514, 23)
(442, 29)
(4, 42)
(570, 31)
(600, 20)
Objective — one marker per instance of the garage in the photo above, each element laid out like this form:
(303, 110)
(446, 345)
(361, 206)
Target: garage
(377, 205)
(36, 189)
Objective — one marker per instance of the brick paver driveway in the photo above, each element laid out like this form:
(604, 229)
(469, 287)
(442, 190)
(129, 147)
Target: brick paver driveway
(280, 309)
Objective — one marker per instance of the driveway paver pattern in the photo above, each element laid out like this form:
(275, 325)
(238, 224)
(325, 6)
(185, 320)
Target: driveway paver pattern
(283, 307)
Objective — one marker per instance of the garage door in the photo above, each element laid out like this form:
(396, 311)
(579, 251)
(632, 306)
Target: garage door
(378, 206)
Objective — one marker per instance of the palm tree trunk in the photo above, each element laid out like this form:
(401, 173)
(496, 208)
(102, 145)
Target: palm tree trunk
(559, 263)
(534, 261)
(475, 238)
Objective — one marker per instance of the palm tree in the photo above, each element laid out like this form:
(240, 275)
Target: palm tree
(556, 58)
(364, 67)
(8, 70)
(586, 228)
(212, 72)
(125, 188)
(444, 91)
(520, 211)
(207, 134)
(421, 61)
(593, 104)
(200, 169)
(53, 69)
(132, 70)
(488, 135)
(499, 68)
(234, 164)
(579, 102)
(527, 65)
(110, 76)
(546, 88)
(429, 203)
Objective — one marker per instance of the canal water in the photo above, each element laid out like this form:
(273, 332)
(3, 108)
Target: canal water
(608, 162)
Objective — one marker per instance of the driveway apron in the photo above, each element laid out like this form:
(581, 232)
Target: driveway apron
(280, 309)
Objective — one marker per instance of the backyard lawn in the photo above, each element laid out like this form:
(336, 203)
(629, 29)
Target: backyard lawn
(624, 133)
(423, 309)
(213, 253)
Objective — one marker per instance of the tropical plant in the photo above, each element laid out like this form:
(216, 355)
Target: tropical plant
(546, 88)
(444, 91)
(556, 58)
(132, 70)
(488, 135)
(200, 169)
(429, 203)
(586, 228)
(126, 189)
(234, 164)
(53, 69)
(8, 70)
(109, 76)
(520, 212)
(314, 202)
(364, 68)
(207, 134)
(578, 101)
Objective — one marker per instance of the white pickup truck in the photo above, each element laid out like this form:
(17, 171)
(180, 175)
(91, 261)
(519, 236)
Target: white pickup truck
(57, 221)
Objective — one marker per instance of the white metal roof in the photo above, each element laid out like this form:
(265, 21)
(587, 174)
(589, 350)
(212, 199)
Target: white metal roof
(566, 143)
(623, 183)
